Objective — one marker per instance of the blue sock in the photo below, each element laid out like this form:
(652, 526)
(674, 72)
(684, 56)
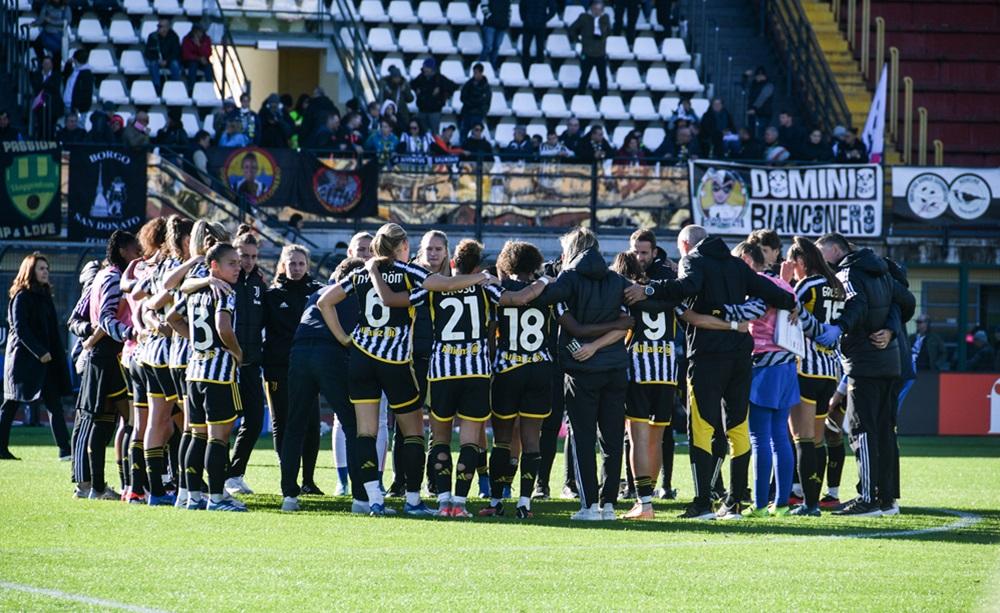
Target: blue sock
(784, 458)
(342, 475)
(760, 445)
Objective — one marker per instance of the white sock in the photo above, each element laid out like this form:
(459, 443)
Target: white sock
(216, 498)
(494, 502)
(444, 497)
(646, 499)
(195, 496)
(458, 500)
(797, 489)
(374, 493)
(525, 502)
(413, 498)
(833, 491)
(182, 493)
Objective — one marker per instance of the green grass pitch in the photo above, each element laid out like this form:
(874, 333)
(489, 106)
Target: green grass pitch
(941, 554)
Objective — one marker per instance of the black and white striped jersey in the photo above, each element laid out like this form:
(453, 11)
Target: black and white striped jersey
(210, 360)
(461, 320)
(180, 349)
(650, 345)
(524, 333)
(156, 350)
(382, 332)
(817, 297)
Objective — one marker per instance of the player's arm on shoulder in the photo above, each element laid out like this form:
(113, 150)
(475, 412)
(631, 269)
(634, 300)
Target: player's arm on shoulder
(437, 282)
(177, 321)
(524, 295)
(710, 322)
(389, 297)
(176, 275)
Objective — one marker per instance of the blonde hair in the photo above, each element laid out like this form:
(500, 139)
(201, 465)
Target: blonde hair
(388, 238)
(575, 242)
(425, 240)
(204, 234)
(286, 254)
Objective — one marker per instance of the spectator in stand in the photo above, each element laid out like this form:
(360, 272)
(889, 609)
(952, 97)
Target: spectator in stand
(837, 139)
(928, 347)
(387, 112)
(136, 134)
(761, 102)
(372, 118)
(520, 149)
(163, 53)
(592, 29)
(172, 136)
(774, 151)
(631, 152)
(476, 145)
(594, 148)
(627, 18)
(982, 358)
(496, 20)
(117, 126)
(7, 131)
(476, 96)
(716, 125)
(234, 136)
(351, 134)
(46, 103)
(664, 13)
(100, 127)
(415, 141)
(316, 112)
(684, 113)
(293, 234)
(329, 136)
(249, 119)
(535, 15)
(815, 149)
(747, 147)
(444, 143)
(572, 135)
(397, 90)
(78, 95)
(274, 129)
(196, 56)
(680, 148)
(852, 150)
(536, 141)
(197, 156)
(433, 90)
(105, 10)
(790, 135)
(71, 133)
(52, 19)
(552, 149)
(221, 117)
(382, 142)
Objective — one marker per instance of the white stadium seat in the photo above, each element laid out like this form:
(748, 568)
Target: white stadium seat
(653, 137)
(504, 133)
(541, 76)
(439, 42)
(204, 94)
(415, 65)
(675, 51)
(641, 108)
(392, 60)
(613, 108)
(646, 50)
(525, 105)
(401, 11)
(572, 13)
(617, 48)
(194, 8)
(515, 16)
(539, 128)
(143, 92)
(411, 40)
(255, 6)
(455, 104)
(90, 31)
(102, 61)
(113, 90)
(454, 70)
(458, 14)
(175, 94)
(687, 81)
(700, 105)
(208, 124)
(554, 106)
(558, 45)
(380, 40)
(658, 79)
(569, 75)
(498, 105)
(137, 7)
(583, 107)
(512, 75)
(121, 32)
(629, 79)
(132, 62)
(469, 42)
(147, 27)
(182, 28)
(621, 131)
(190, 122)
(168, 7)
(668, 104)
(429, 13)
(157, 120)
(507, 48)
(371, 11)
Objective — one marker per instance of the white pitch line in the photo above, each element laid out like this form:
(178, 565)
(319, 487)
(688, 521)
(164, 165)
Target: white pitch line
(87, 600)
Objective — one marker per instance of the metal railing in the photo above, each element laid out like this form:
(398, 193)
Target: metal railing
(350, 40)
(233, 81)
(810, 75)
(15, 41)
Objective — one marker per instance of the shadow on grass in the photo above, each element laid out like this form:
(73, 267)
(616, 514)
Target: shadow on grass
(555, 514)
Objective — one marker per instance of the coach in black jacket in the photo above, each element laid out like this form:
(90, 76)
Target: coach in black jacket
(719, 367)
(872, 370)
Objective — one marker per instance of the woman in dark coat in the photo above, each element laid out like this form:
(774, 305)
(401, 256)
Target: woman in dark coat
(35, 365)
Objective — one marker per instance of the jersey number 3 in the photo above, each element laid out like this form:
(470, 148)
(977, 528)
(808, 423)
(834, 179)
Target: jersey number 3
(201, 332)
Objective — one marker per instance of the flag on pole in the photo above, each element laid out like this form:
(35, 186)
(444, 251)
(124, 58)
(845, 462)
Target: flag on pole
(874, 135)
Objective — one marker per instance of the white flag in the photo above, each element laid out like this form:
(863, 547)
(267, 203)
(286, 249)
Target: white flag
(874, 135)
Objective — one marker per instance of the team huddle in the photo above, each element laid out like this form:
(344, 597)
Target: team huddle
(182, 336)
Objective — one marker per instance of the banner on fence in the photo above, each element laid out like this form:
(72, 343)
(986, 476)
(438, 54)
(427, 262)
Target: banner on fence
(327, 186)
(107, 192)
(736, 199)
(945, 196)
(29, 189)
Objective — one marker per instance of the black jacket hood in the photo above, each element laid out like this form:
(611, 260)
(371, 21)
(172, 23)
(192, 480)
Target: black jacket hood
(866, 260)
(590, 264)
(713, 247)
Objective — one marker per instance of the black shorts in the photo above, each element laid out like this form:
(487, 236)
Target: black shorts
(370, 378)
(420, 366)
(103, 378)
(213, 403)
(179, 376)
(818, 391)
(524, 391)
(159, 382)
(136, 379)
(465, 398)
(650, 402)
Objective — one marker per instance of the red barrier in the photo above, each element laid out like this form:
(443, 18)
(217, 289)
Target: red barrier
(969, 403)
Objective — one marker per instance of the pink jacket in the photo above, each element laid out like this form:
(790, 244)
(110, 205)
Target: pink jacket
(762, 330)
